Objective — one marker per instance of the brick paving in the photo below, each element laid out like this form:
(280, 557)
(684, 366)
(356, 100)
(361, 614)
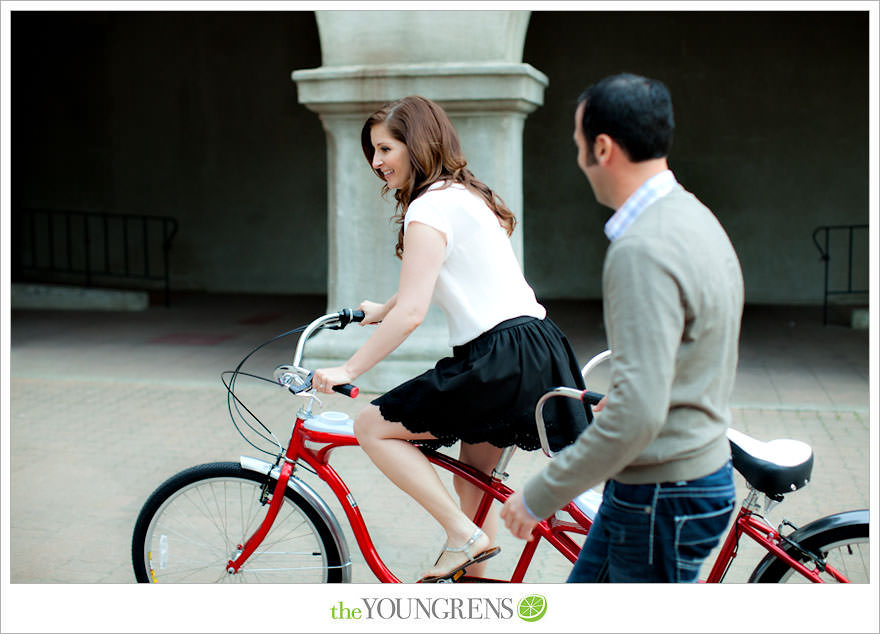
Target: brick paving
(117, 402)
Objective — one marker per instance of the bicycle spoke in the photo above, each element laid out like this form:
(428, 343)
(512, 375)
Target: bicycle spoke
(205, 513)
(172, 531)
(203, 507)
(222, 521)
(181, 575)
(197, 528)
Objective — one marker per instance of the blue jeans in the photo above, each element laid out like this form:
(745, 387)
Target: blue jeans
(656, 532)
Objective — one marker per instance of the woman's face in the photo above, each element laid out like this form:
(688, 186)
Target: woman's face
(390, 157)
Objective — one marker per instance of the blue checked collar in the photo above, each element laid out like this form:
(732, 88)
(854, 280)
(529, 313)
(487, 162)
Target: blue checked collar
(651, 190)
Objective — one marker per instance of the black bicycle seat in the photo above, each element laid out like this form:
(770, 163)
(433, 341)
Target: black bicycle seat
(774, 468)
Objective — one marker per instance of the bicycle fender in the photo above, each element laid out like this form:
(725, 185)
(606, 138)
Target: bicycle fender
(311, 497)
(815, 527)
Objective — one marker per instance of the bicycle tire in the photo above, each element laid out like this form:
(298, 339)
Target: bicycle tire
(197, 519)
(841, 539)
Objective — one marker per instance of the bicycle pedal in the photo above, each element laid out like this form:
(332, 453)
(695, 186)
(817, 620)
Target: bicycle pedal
(453, 578)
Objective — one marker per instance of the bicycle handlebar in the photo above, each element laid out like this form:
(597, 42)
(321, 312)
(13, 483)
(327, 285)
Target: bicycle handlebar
(585, 396)
(298, 379)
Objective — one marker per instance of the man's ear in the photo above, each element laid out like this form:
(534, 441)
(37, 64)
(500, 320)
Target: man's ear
(603, 149)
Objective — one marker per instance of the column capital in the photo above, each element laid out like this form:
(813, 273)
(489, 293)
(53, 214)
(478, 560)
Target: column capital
(388, 37)
(458, 87)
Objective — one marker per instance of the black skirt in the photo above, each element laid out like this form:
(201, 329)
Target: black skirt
(487, 391)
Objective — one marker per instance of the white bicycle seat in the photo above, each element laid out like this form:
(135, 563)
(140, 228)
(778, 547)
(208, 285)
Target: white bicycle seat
(338, 423)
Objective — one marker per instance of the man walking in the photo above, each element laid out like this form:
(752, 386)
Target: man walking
(672, 297)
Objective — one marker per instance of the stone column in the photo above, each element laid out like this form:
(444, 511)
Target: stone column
(466, 61)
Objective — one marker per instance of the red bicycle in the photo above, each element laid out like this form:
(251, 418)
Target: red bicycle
(256, 521)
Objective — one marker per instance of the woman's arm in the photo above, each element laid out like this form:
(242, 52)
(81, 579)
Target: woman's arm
(423, 254)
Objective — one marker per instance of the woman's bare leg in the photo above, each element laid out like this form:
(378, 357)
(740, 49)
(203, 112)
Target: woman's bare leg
(404, 464)
(482, 456)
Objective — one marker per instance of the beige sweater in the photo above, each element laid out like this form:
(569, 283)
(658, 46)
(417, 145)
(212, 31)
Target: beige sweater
(673, 299)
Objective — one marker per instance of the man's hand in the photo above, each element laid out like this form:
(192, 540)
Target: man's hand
(517, 518)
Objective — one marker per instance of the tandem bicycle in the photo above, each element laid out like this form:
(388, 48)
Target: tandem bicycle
(255, 520)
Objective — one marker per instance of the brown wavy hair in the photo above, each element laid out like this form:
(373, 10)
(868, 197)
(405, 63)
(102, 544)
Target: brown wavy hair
(434, 155)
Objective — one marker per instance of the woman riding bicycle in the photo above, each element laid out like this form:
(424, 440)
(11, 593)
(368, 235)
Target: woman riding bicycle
(455, 251)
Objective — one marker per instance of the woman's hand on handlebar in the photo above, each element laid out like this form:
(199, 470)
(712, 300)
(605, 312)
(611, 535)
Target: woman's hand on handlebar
(324, 379)
(375, 312)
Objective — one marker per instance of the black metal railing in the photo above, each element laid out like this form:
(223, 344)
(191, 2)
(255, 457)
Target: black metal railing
(92, 247)
(825, 255)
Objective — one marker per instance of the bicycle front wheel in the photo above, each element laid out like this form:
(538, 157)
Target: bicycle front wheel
(840, 540)
(199, 519)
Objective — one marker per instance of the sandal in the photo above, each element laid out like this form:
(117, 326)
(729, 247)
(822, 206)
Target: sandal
(458, 572)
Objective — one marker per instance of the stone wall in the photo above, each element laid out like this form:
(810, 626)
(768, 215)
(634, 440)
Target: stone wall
(194, 115)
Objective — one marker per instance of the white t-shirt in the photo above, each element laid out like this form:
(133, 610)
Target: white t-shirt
(481, 283)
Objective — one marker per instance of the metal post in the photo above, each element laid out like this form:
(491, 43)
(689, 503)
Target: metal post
(50, 227)
(125, 243)
(146, 252)
(88, 248)
(826, 257)
(106, 244)
(165, 248)
(68, 242)
(33, 223)
(849, 271)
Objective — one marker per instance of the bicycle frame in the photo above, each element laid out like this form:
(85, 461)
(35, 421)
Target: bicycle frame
(747, 523)
(314, 448)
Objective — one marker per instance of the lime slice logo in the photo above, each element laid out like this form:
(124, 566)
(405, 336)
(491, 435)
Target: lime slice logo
(532, 608)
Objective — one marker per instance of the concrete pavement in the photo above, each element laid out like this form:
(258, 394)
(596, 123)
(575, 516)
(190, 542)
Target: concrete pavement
(105, 405)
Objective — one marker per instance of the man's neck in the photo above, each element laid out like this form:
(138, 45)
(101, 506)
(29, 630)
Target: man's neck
(634, 175)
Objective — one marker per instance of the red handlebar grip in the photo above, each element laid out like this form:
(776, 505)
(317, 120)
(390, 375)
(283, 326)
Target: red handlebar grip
(347, 389)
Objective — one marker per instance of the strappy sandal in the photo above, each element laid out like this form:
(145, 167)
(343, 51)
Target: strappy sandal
(457, 573)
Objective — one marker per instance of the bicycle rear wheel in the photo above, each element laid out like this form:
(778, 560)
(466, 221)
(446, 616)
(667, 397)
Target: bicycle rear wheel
(843, 544)
(199, 519)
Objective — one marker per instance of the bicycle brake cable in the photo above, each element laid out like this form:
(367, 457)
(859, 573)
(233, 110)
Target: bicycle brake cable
(231, 396)
(238, 402)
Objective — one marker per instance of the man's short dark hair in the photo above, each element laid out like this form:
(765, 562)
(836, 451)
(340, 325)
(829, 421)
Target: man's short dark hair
(634, 111)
